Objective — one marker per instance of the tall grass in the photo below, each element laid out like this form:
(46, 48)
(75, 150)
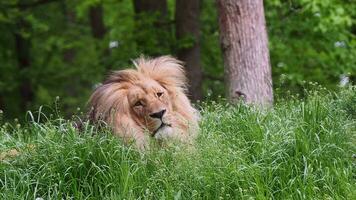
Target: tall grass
(300, 149)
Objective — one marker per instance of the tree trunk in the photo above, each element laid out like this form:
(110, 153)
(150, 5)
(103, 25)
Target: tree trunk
(153, 29)
(244, 43)
(187, 27)
(24, 64)
(96, 21)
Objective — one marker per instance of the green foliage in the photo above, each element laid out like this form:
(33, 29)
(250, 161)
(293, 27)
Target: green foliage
(298, 150)
(310, 40)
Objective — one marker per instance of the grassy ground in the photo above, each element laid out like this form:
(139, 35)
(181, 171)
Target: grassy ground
(298, 150)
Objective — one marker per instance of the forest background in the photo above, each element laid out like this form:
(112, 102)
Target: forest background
(58, 51)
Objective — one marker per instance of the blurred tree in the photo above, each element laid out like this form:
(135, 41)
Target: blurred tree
(69, 53)
(22, 46)
(153, 28)
(244, 43)
(188, 36)
(69, 17)
(2, 104)
(96, 21)
(98, 30)
(25, 4)
(151, 6)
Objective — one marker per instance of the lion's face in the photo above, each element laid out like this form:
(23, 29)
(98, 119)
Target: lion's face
(150, 104)
(151, 97)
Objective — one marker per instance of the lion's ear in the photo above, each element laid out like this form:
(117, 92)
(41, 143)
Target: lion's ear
(166, 70)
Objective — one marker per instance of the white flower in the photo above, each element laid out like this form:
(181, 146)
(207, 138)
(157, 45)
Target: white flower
(344, 80)
(339, 44)
(113, 44)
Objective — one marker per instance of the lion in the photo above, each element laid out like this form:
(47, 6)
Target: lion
(150, 100)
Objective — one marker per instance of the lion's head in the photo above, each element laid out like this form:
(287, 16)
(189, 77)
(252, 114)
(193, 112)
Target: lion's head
(149, 100)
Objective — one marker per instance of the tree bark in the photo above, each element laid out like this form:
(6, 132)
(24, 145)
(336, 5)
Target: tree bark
(24, 63)
(187, 26)
(244, 43)
(96, 21)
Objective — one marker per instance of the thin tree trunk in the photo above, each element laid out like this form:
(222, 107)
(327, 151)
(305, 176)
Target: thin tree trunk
(244, 43)
(96, 21)
(24, 64)
(187, 26)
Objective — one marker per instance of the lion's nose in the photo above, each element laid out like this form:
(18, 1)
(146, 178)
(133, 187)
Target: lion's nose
(158, 114)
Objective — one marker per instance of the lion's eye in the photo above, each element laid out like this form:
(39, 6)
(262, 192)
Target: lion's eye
(159, 94)
(138, 103)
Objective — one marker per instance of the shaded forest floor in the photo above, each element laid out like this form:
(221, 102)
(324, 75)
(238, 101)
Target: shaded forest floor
(300, 149)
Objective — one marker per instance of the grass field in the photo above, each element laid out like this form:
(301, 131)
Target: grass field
(300, 149)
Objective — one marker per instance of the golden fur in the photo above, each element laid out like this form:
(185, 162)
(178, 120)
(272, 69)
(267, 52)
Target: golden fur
(147, 101)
